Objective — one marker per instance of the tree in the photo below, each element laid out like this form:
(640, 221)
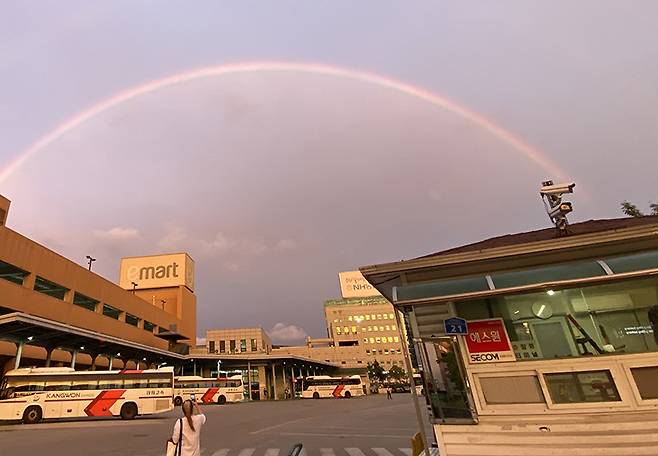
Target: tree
(397, 373)
(376, 372)
(632, 210)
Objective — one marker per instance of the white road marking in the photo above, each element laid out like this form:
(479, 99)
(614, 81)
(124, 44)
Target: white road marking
(406, 451)
(354, 452)
(327, 452)
(247, 452)
(272, 452)
(221, 452)
(317, 434)
(382, 452)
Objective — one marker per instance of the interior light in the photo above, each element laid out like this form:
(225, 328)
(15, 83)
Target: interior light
(550, 292)
(30, 338)
(516, 312)
(82, 348)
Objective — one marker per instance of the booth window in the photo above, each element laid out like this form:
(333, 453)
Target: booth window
(85, 301)
(222, 346)
(254, 345)
(12, 273)
(111, 312)
(646, 381)
(512, 390)
(243, 345)
(588, 386)
(50, 288)
(211, 346)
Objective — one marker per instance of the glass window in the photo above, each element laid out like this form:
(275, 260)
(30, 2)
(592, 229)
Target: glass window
(385, 316)
(597, 320)
(378, 340)
(396, 339)
(349, 318)
(565, 271)
(353, 329)
(391, 316)
(379, 316)
(633, 262)
(243, 345)
(132, 319)
(381, 328)
(232, 346)
(367, 352)
(376, 328)
(254, 345)
(373, 316)
(50, 288)
(365, 340)
(85, 384)
(394, 328)
(386, 351)
(390, 339)
(591, 386)
(211, 346)
(372, 340)
(148, 326)
(84, 301)
(110, 384)
(57, 386)
(338, 331)
(346, 330)
(222, 346)
(367, 317)
(645, 380)
(388, 327)
(111, 312)
(12, 273)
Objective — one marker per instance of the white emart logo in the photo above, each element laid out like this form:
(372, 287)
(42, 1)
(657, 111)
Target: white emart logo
(136, 273)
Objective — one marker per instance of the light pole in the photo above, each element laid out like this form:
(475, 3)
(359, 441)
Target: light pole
(134, 286)
(163, 303)
(89, 261)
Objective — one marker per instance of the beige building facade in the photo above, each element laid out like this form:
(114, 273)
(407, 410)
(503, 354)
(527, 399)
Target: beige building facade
(239, 340)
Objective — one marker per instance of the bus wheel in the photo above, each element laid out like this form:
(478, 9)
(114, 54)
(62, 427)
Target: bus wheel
(348, 394)
(221, 400)
(178, 401)
(128, 411)
(32, 414)
(316, 395)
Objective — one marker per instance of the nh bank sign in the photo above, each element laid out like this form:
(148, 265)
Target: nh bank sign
(354, 285)
(158, 271)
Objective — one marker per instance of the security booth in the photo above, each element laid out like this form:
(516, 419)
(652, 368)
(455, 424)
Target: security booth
(535, 343)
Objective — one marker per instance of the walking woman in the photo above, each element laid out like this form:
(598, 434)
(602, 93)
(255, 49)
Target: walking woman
(192, 422)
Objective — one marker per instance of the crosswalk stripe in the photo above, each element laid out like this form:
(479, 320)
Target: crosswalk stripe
(221, 452)
(382, 452)
(274, 452)
(247, 452)
(405, 451)
(354, 452)
(327, 452)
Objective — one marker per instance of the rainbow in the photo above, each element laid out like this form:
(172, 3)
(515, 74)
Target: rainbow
(498, 132)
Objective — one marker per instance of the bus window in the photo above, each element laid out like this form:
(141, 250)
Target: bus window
(110, 384)
(58, 386)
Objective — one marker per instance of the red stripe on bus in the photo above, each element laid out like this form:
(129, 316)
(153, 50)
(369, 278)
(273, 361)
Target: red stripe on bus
(207, 397)
(101, 405)
(131, 371)
(339, 389)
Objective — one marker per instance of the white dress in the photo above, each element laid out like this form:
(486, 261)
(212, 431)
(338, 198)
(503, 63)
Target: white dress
(191, 438)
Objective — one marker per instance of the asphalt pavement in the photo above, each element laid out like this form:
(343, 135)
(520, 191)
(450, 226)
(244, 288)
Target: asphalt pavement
(363, 426)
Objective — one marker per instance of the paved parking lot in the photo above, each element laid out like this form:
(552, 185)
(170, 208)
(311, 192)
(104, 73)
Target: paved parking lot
(366, 426)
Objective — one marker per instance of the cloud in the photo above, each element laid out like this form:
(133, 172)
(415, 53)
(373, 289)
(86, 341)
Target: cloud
(174, 234)
(282, 332)
(117, 233)
(285, 244)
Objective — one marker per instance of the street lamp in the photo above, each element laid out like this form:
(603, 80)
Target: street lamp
(134, 286)
(89, 261)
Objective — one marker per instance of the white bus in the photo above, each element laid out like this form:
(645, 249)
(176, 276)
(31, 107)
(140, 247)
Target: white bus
(320, 386)
(208, 390)
(418, 385)
(35, 393)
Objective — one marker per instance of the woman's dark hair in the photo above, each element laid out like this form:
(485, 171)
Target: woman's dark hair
(187, 411)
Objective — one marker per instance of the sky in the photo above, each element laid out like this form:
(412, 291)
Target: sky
(274, 181)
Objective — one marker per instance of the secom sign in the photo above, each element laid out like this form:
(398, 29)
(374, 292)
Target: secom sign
(159, 271)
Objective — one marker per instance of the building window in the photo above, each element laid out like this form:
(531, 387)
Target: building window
(211, 346)
(381, 328)
(394, 328)
(385, 316)
(222, 346)
(346, 330)
(645, 380)
(367, 317)
(396, 339)
(376, 328)
(254, 345)
(12, 273)
(50, 288)
(338, 330)
(365, 340)
(391, 316)
(378, 340)
(589, 386)
(379, 316)
(390, 339)
(353, 329)
(111, 312)
(148, 326)
(367, 352)
(372, 340)
(85, 301)
(349, 318)
(132, 319)
(243, 345)
(231, 346)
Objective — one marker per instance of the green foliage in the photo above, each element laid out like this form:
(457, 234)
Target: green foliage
(397, 373)
(376, 372)
(632, 210)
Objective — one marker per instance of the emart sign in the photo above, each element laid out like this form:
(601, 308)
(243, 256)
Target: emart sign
(159, 271)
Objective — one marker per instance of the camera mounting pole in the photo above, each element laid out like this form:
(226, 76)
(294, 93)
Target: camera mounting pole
(557, 209)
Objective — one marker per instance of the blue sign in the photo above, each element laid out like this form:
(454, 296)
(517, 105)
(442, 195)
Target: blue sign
(455, 326)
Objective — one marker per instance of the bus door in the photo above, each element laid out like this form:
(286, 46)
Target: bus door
(445, 383)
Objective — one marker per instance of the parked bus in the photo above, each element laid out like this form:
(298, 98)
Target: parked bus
(33, 394)
(325, 386)
(418, 385)
(209, 390)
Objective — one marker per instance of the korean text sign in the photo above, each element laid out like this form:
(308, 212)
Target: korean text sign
(487, 342)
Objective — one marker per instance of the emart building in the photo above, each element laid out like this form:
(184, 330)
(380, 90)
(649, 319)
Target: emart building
(54, 312)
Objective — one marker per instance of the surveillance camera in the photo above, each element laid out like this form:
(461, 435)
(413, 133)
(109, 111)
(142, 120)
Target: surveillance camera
(557, 189)
(560, 210)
